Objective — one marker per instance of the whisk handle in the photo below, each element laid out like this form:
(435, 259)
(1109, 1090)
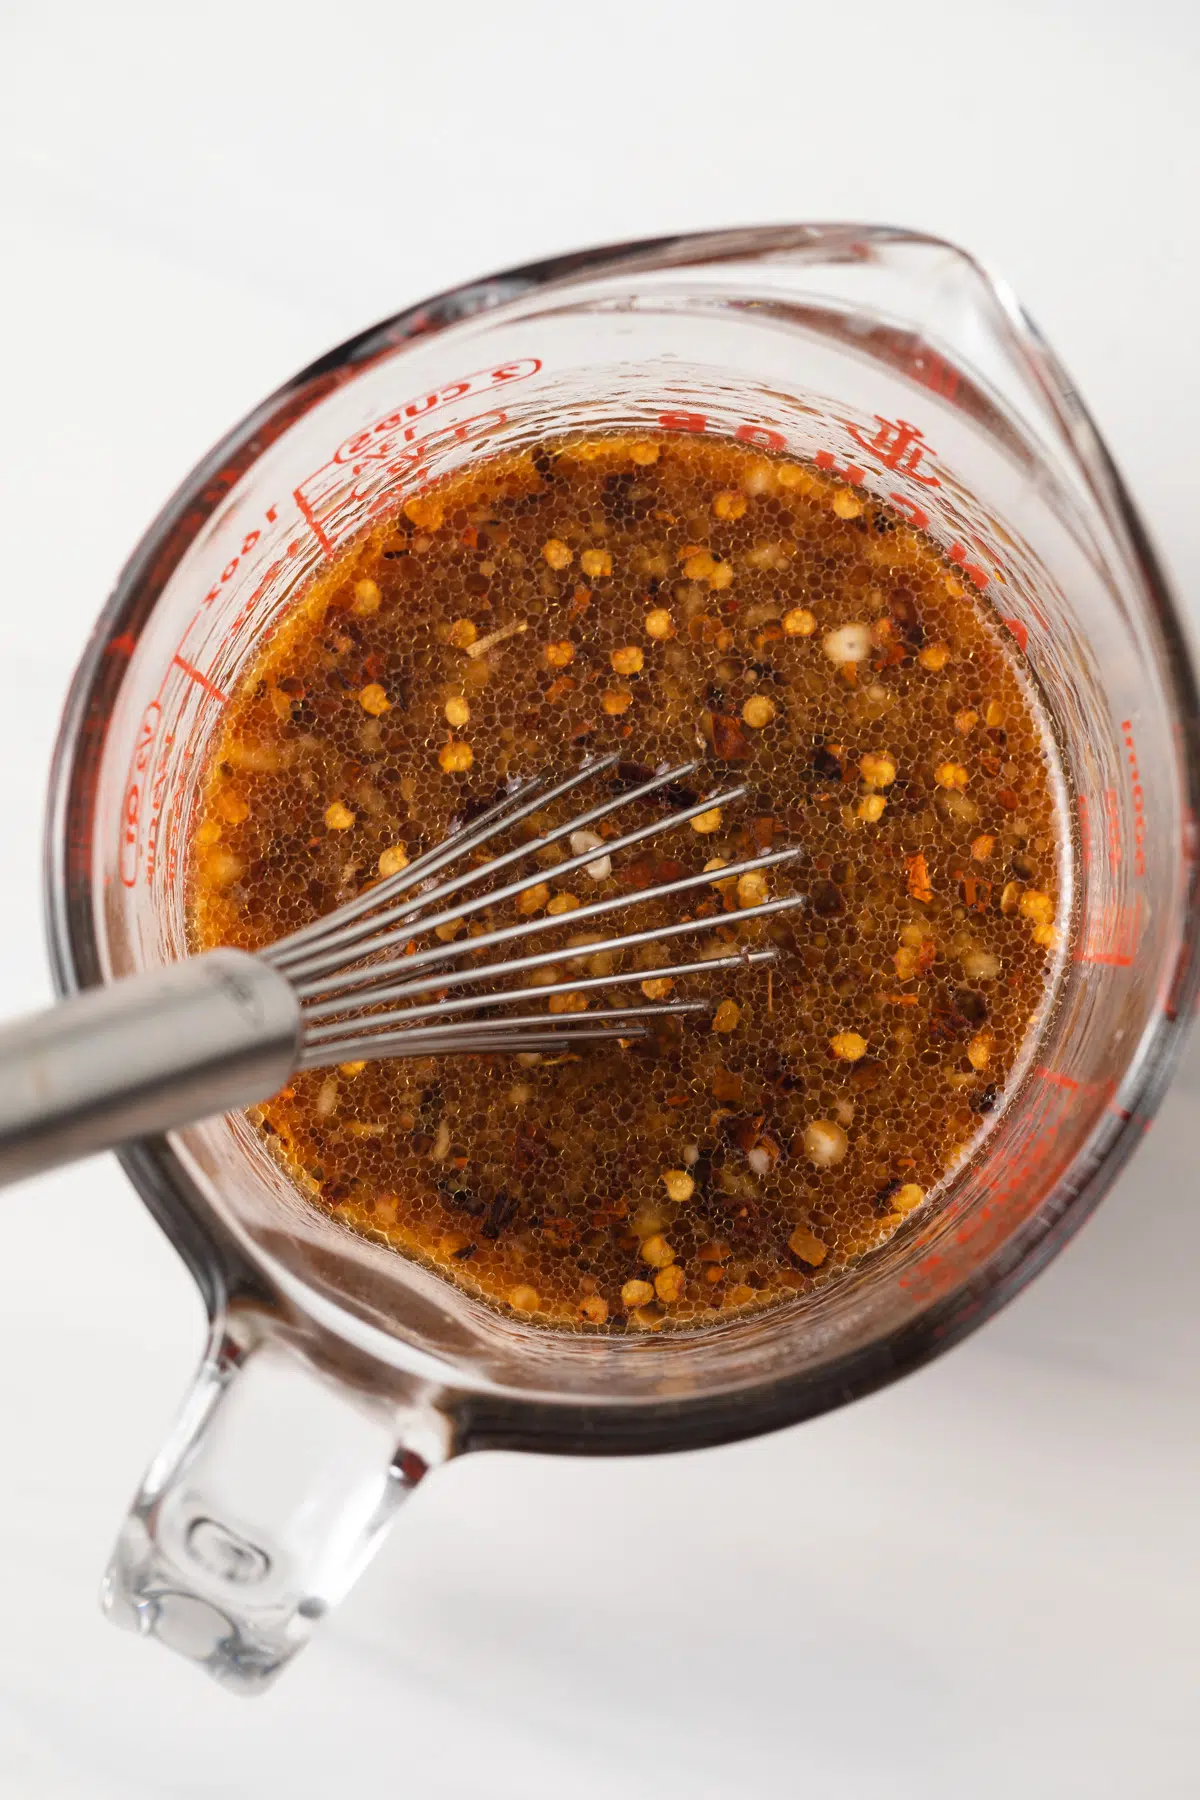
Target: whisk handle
(143, 1055)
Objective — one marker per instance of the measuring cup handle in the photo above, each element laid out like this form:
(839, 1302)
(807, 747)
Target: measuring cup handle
(271, 1493)
(143, 1055)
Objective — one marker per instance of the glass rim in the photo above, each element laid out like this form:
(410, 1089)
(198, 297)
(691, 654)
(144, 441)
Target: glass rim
(220, 1268)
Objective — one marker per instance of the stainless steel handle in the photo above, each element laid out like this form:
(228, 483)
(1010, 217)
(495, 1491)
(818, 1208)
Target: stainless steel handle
(143, 1055)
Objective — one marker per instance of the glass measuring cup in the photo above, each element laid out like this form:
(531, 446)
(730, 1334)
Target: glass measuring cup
(337, 1373)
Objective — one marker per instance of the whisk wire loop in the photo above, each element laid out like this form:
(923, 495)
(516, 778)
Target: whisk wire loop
(344, 968)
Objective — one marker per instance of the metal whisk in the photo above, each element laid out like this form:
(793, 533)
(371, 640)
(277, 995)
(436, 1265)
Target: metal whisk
(387, 974)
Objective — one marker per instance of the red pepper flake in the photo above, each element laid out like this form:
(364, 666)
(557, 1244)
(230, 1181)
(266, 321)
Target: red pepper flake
(899, 999)
(975, 890)
(650, 869)
(945, 1026)
(1008, 798)
(730, 743)
(744, 1132)
(469, 537)
(716, 1251)
(640, 872)
(563, 686)
(918, 878)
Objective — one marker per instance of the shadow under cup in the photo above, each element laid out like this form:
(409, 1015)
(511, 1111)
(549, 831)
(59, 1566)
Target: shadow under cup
(893, 362)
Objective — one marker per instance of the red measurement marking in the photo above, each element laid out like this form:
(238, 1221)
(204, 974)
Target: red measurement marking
(391, 449)
(1111, 937)
(851, 473)
(231, 567)
(124, 645)
(908, 509)
(178, 832)
(958, 555)
(746, 433)
(131, 806)
(1056, 1078)
(139, 821)
(762, 435)
(376, 483)
(683, 421)
(1019, 1178)
(198, 676)
(131, 812)
(246, 612)
(379, 441)
(1139, 800)
(158, 788)
(898, 446)
(1085, 830)
(310, 519)
(1112, 817)
(1020, 632)
(145, 738)
(1123, 1113)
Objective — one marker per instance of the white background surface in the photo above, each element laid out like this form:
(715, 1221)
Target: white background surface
(981, 1583)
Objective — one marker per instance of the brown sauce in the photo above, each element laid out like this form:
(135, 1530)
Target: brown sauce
(648, 597)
